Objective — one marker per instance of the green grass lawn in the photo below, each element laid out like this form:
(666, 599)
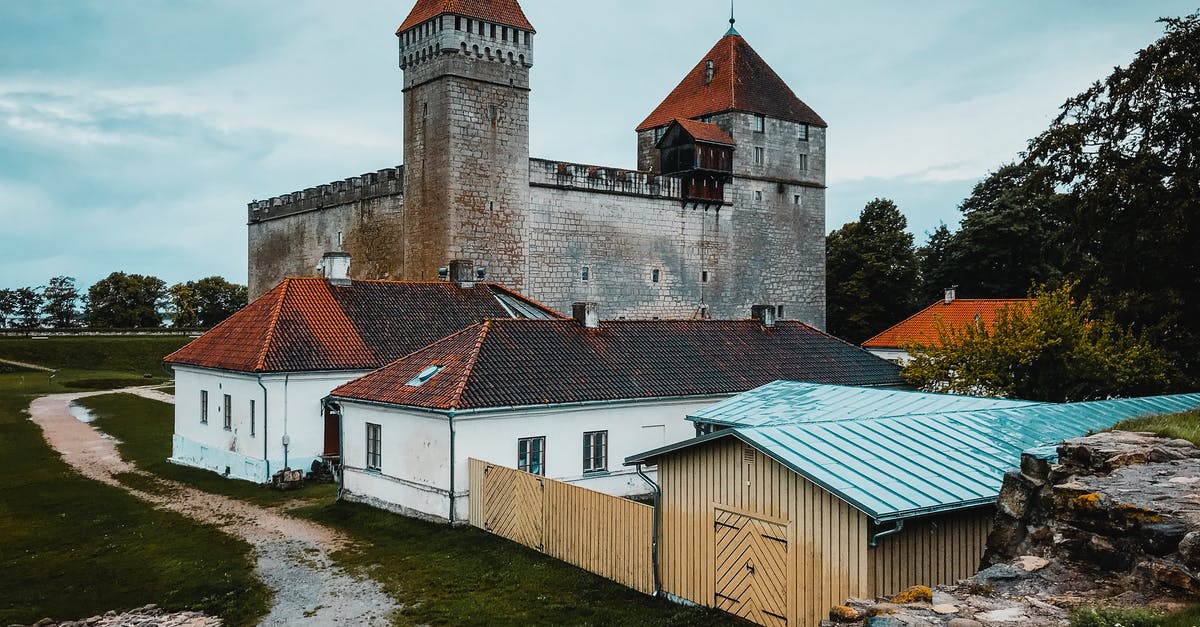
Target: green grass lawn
(71, 547)
(144, 428)
(132, 354)
(1185, 425)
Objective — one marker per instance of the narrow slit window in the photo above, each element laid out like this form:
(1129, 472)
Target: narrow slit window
(704, 276)
(203, 407)
(374, 447)
(760, 124)
(655, 275)
(228, 412)
(585, 274)
(253, 428)
(760, 156)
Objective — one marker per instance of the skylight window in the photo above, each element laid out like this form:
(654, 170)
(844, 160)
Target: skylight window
(424, 376)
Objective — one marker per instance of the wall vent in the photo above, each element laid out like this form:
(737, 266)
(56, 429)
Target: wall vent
(749, 455)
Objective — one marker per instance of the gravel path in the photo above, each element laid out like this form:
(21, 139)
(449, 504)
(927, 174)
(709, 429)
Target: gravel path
(21, 364)
(292, 554)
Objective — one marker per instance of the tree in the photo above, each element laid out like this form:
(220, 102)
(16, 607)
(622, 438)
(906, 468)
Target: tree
(1052, 350)
(205, 303)
(126, 301)
(8, 306)
(1004, 244)
(28, 301)
(871, 272)
(1126, 153)
(59, 304)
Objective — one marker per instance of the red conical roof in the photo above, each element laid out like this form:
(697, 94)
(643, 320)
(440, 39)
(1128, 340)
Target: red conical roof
(504, 12)
(742, 82)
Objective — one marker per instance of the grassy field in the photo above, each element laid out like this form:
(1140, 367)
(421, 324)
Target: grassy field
(442, 575)
(1185, 426)
(71, 547)
(132, 354)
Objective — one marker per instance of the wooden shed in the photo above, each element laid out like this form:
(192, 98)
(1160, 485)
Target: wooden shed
(805, 495)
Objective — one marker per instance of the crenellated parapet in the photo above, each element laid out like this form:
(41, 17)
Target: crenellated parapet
(592, 178)
(385, 182)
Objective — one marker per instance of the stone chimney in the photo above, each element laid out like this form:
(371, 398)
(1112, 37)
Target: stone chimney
(462, 271)
(336, 268)
(764, 314)
(950, 293)
(587, 314)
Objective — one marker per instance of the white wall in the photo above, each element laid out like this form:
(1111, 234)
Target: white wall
(897, 356)
(291, 405)
(414, 477)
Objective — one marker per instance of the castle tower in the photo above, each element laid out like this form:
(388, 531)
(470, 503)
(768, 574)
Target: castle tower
(777, 191)
(466, 136)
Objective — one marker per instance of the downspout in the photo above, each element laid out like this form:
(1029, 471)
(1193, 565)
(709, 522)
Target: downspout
(874, 541)
(451, 417)
(286, 439)
(266, 457)
(654, 534)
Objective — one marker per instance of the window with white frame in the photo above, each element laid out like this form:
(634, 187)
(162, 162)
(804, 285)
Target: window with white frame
(595, 451)
(531, 455)
(760, 124)
(758, 195)
(203, 407)
(227, 412)
(760, 156)
(374, 447)
(802, 162)
(803, 132)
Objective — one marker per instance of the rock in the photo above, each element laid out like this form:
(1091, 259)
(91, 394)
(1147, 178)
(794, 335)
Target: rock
(1189, 549)
(1162, 538)
(1007, 615)
(1031, 563)
(885, 621)
(844, 614)
(963, 622)
(1160, 454)
(945, 608)
(942, 598)
(998, 573)
(915, 594)
(882, 609)
(1167, 574)
(1035, 467)
(1015, 494)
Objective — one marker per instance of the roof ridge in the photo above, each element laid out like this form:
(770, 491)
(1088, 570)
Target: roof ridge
(461, 388)
(261, 364)
(558, 315)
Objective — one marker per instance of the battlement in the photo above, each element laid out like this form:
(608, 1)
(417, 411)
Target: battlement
(452, 34)
(386, 182)
(592, 178)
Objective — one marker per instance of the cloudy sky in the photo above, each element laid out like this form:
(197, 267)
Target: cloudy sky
(133, 132)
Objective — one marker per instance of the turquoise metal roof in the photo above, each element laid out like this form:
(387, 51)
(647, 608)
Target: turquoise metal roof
(790, 402)
(899, 466)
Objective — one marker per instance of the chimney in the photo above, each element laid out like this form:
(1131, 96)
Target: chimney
(710, 70)
(950, 293)
(587, 314)
(336, 268)
(462, 271)
(764, 314)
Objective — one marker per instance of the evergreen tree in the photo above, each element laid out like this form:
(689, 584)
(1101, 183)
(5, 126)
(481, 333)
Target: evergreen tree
(60, 299)
(28, 306)
(8, 306)
(871, 273)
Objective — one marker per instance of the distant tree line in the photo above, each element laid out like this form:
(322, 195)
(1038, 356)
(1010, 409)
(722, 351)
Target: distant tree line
(1106, 200)
(121, 301)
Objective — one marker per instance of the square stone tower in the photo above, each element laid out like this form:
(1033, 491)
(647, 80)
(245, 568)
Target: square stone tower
(466, 137)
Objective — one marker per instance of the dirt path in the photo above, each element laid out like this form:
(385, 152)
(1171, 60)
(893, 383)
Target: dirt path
(292, 554)
(21, 364)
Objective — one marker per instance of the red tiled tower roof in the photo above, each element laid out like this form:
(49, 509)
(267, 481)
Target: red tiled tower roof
(704, 132)
(507, 363)
(305, 324)
(742, 82)
(921, 327)
(503, 12)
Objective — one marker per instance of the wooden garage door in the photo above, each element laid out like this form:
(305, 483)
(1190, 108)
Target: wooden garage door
(512, 505)
(751, 568)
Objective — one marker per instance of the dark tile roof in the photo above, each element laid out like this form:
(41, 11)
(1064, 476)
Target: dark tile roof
(743, 82)
(502, 363)
(503, 12)
(704, 132)
(922, 327)
(305, 324)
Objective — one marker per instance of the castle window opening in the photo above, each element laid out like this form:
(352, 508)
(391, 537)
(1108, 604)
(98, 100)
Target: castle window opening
(339, 240)
(802, 163)
(491, 205)
(457, 23)
(586, 274)
(779, 311)
(658, 132)
(493, 113)
(760, 124)
(758, 195)
(704, 276)
(469, 22)
(760, 156)
(796, 200)
(655, 275)
(504, 33)
(493, 31)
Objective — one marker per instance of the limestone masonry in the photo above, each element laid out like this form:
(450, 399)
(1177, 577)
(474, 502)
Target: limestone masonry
(708, 236)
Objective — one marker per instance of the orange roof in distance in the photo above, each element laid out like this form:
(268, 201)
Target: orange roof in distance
(921, 327)
(742, 81)
(504, 12)
(705, 132)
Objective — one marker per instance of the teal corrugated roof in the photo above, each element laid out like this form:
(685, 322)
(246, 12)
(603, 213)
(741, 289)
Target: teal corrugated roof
(936, 455)
(788, 402)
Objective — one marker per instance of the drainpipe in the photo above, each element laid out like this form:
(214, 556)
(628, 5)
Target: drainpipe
(654, 534)
(451, 417)
(874, 542)
(286, 439)
(266, 456)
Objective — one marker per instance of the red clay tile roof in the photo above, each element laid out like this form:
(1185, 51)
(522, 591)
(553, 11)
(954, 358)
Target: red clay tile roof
(704, 132)
(503, 12)
(304, 324)
(743, 82)
(503, 363)
(921, 328)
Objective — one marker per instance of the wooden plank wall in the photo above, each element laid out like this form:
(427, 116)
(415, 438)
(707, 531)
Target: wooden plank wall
(931, 551)
(603, 534)
(827, 548)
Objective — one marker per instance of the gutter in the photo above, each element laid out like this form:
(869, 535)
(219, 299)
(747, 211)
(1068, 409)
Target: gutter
(485, 410)
(658, 591)
(266, 414)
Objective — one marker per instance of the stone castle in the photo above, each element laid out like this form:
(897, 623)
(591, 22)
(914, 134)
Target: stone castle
(726, 209)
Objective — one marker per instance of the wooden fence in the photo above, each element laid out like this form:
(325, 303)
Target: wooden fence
(603, 534)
